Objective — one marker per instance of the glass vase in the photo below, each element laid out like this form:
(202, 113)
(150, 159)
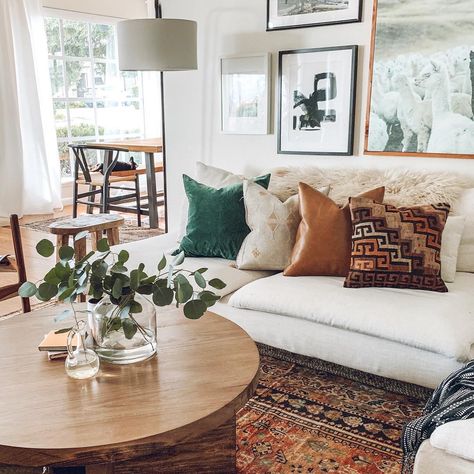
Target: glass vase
(81, 362)
(121, 337)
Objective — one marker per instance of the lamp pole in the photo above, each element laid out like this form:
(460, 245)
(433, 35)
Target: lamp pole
(159, 14)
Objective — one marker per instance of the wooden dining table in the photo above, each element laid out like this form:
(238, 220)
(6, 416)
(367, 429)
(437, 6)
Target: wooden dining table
(148, 146)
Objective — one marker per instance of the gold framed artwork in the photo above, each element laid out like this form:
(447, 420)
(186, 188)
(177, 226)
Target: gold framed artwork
(421, 79)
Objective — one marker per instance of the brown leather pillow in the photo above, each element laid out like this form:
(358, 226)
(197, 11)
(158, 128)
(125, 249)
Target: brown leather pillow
(323, 242)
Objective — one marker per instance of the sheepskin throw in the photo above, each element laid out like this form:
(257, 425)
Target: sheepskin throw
(402, 187)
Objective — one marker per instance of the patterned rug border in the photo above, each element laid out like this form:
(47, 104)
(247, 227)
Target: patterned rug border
(377, 381)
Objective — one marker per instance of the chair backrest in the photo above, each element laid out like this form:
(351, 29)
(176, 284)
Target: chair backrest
(111, 156)
(10, 291)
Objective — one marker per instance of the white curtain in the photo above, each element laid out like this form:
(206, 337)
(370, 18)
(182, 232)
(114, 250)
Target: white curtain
(30, 180)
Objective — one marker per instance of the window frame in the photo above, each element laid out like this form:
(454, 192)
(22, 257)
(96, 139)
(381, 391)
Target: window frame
(89, 19)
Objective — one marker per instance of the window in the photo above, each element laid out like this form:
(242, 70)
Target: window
(92, 99)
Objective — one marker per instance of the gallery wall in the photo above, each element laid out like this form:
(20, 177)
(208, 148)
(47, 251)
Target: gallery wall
(234, 27)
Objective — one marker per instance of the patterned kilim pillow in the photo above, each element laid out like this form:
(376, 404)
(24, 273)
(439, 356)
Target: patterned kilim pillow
(396, 247)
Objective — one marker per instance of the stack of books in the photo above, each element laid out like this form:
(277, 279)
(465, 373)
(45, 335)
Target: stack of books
(55, 344)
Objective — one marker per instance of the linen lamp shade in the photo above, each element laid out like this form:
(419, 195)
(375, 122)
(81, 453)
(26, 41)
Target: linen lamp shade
(156, 44)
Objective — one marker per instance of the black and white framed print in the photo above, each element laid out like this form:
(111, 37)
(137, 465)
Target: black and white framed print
(284, 14)
(245, 94)
(317, 90)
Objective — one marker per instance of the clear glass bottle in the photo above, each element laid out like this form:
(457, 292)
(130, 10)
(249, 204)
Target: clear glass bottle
(81, 362)
(121, 337)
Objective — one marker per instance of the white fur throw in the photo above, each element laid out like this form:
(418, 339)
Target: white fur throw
(402, 187)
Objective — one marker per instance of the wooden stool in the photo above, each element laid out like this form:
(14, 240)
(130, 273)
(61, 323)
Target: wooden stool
(96, 224)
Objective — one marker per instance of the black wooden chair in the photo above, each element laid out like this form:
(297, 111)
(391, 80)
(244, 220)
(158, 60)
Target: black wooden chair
(100, 183)
(16, 264)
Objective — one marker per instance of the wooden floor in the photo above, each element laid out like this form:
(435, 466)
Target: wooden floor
(36, 266)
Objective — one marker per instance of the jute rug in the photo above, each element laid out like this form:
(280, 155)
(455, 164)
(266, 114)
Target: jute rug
(129, 232)
(309, 416)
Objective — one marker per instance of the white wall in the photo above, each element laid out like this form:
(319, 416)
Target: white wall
(112, 8)
(193, 105)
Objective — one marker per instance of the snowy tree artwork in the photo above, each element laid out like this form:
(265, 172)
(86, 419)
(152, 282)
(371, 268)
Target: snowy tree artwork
(422, 76)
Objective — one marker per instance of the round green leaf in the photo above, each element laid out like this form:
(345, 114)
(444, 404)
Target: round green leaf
(129, 328)
(183, 290)
(123, 256)
(66, 293)
(209, 298)
(52, 278)
(27, 290)
(217, 284)
(99, 268)
(194, 309)
(162, 264)
(118, 268)
(135, 307)
(178, 260)
(199, 279)
(117, 288)
(103, 245)
(66, 253)
(162, 296)
(46, 291)
(45, 248)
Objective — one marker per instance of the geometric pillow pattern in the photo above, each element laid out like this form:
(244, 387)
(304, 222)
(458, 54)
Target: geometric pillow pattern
(396, 247)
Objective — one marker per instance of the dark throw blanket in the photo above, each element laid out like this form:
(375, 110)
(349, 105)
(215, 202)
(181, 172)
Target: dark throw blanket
(452, 400)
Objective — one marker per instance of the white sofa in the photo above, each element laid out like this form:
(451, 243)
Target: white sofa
(413, 336)
(408, 335)
(449, 450)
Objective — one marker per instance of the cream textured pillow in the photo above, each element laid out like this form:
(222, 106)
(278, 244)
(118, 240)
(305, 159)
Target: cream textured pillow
(451, 239)
(465, 207)
(273, 226)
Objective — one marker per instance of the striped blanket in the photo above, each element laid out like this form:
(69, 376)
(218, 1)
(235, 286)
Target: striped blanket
(452, 400)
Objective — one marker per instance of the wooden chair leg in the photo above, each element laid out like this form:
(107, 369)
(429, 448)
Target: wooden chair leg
(74, 199)
(61, 241)
(20, 259)
(113, 236)
(90, 209)
(105, 199)
(137, 191)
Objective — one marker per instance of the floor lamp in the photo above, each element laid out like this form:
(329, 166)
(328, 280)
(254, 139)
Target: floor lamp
(158, 44)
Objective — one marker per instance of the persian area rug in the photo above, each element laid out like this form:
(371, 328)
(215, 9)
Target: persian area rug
(309, 416)
(129, 232)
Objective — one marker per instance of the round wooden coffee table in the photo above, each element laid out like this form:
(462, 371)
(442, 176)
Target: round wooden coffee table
(173, 413)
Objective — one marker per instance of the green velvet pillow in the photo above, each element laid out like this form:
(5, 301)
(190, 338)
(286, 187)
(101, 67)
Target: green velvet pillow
(216, 219)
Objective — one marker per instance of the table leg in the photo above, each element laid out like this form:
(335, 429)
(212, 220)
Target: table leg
(61, 241)
(113, 236)
(80, 249)
(151, 189)
(210, 453)
(96, 236)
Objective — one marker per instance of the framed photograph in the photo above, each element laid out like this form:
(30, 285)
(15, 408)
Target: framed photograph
(422, 76)
(284, 14)
(245, 94)
(317, 96)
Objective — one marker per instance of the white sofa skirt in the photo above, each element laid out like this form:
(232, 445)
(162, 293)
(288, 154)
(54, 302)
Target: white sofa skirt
(430, 460)
(367, 353)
